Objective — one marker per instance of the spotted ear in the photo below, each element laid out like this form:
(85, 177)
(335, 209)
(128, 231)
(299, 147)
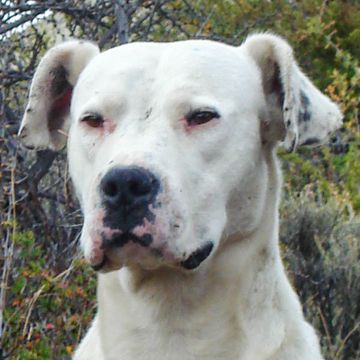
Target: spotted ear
(296, 113)
(46, 118)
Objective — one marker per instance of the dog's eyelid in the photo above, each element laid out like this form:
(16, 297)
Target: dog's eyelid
(93, 119)
(90, 114)
(201, 110)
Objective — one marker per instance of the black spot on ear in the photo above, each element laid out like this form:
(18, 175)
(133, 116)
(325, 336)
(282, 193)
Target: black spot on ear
(305, 109)
(29, 147)
(311, 141)
(292, 147)
(304, 99)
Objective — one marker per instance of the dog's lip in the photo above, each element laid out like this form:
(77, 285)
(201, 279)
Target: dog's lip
(99, 266)
(198, 256)
(191, 263)
(121, 239)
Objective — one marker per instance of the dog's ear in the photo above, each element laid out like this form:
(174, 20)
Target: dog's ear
(296, 113)
(46, 118)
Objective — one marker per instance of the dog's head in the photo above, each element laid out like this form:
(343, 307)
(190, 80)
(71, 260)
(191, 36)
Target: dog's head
(167, 142)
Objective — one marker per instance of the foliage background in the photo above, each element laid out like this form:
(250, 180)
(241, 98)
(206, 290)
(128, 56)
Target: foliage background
(47, 297)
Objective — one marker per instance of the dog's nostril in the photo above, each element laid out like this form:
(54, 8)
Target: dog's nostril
(110, 189)
(139, 188)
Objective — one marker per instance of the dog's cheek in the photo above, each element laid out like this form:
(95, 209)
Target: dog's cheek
(246, 202)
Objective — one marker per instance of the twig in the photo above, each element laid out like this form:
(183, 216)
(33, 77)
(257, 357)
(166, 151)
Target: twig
(122, 21)
(205, 22)
(328, 337)
(43, 162)
(343, 342)
(21, 21)
(8, 252)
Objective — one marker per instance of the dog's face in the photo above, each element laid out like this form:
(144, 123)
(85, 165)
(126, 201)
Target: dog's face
(151, 143)
(167, 142)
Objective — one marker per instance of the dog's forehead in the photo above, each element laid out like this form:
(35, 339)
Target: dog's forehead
(166, 63)
(187, 73)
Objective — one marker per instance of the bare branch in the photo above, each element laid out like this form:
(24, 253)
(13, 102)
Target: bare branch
(122, 20)
(21, 21)
(42, 165)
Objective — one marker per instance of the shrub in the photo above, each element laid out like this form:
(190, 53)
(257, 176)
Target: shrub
(320, 243)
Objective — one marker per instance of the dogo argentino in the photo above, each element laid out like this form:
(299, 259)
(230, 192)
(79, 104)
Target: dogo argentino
(172, 152)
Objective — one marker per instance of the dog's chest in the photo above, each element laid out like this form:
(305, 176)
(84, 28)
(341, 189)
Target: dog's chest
(166, 342)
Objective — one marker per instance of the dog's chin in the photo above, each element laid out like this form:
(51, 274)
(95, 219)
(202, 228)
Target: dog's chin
(133, 255)
(111, 263)
(137, 252)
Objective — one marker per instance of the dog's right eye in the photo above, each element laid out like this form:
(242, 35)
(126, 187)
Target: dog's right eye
(199, 117)
(93, 120)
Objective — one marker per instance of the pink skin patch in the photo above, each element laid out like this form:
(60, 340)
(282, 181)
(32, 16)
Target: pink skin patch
(97, 235)
(96, 255)
(157, 230)
(146, 228)
(188, 128)
(109, 126)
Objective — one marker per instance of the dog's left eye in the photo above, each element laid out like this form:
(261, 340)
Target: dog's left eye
(199, 117)
(93, 120)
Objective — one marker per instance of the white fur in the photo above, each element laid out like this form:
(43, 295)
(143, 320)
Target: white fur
(220, 182)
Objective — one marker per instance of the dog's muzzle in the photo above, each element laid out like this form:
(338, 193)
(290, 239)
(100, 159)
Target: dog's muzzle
(127, 196)
(132, 231)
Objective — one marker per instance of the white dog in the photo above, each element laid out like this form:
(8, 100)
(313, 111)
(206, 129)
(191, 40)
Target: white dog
(172, 151)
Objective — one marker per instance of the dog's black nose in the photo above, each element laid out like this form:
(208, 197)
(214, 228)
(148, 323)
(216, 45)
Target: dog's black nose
(128, 187)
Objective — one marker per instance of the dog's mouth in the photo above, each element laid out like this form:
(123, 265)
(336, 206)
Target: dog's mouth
(117, 241)
(149, 244)
(126, 248)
